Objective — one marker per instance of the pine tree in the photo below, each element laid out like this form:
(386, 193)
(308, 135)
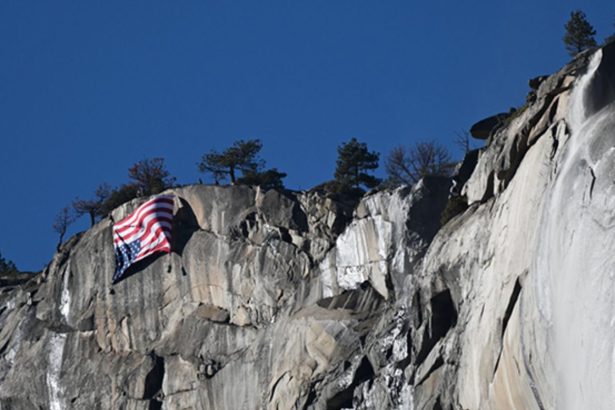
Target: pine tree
(269, 179)
(242, 157)
(353, 162)
(579, 34)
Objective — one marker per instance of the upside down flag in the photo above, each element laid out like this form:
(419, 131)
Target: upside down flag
(145, 231)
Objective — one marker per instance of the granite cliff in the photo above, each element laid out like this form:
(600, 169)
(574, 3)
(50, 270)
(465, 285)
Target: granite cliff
(287, 300)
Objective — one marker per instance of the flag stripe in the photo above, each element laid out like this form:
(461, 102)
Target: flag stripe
(140, 230)
(146, 252)
(159, 241)
(144, 228)
(136, 215)
(146, 217)
(154, 233)
(153, 236)
(145, 231)
(160, 248)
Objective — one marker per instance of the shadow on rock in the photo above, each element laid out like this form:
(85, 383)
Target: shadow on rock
(184, 226)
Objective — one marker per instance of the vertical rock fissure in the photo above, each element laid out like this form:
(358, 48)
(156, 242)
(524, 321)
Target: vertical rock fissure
(153, 382)
(511, 305)
(593, 182)
(443, 318)
(512, 301)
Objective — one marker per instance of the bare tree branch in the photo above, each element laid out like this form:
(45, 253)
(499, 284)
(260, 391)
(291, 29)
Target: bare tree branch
(409, 165)
(462, 140)
(92, 207)
(61, 222)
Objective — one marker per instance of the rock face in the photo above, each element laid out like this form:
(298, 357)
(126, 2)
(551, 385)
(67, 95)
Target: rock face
(285, 300)
(484, 128)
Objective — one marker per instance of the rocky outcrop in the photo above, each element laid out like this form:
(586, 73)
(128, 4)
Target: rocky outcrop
(483, 129)
(498, 163)
(288, 300)
(518, 261)
(268, 300)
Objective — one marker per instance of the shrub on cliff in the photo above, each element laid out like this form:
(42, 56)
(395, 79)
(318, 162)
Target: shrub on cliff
(579, 34)
(148, 177)
(7, 267)
(10, 275)
(118, 196)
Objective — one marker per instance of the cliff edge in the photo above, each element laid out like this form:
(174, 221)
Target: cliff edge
(289, 300)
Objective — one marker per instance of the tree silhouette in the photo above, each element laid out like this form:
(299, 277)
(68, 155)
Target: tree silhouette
(462, 140)
(117, 197)
(409, 165)
(241, 156)
(354, 161)
(579, 34)
(92, 207)
(269, 179)
(7, 267)
(61, 222)
(150, 176)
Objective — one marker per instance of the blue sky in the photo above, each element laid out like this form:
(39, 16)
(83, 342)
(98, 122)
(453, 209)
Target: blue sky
(88, 88)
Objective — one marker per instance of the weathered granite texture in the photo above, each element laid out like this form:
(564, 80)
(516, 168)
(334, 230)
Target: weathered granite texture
(268, 301)
(284, 300)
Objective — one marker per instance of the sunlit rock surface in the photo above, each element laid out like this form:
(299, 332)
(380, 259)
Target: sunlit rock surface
(286, 300)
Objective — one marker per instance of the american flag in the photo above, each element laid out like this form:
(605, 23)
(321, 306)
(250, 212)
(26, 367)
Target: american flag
(145, 231)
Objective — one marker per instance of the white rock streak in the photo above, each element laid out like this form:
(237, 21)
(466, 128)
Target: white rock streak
(362, 253)
(368, 250)
(65, 296)
(54, 389)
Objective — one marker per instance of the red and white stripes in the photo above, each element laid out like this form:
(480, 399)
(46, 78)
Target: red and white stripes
(150, 223)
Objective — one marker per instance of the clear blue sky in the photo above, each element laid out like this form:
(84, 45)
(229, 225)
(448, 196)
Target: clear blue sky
(88, 88)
